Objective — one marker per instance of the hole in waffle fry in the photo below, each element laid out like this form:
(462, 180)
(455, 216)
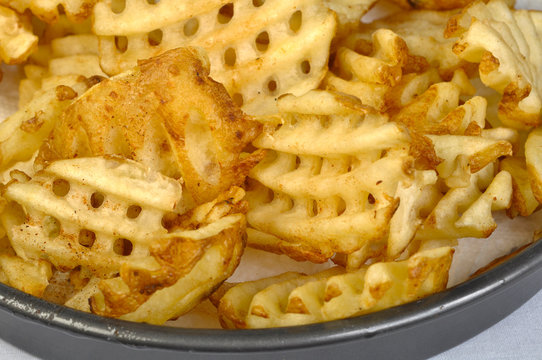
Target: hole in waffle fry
(230, 57)
(297, 162)
(341, 206)
(168, 221)
(121, 43)
(86, 238)
(133, 211)
(272, 86)
(155, 37)
(238, 99)
(191, 27)
(51, 226)
(305, 67)
(258, 3)
(123, 247)
(295, 21)
(371, 199)
(314, 211)
(97, 199)
(118, 6)
(61, 187)
(262, 41)
(225, 14)
(153, 2)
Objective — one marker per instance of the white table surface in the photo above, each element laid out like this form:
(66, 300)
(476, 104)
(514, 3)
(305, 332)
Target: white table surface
(519, 336)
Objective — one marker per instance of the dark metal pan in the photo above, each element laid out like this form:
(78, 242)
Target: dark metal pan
(412, 331)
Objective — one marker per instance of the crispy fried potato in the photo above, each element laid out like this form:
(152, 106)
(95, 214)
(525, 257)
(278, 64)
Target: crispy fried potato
(22, 134)
(110, 216)
(524, 202)
(374, 69)
(257, 52)
(295, 299)
(184, 124)
(507, 45)
(48, 10)
(533, 159)
(16, 38)
(325, 186)
(429, 43)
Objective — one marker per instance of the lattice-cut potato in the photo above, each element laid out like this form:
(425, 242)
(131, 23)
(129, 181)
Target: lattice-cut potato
(533, 159)
(416, 196)
(32, 277)
(16, 38)
(349, 13)
(22, 134)
(429, 43)
(433, 4)
(67, 58)
(91, 212)
(29, 276)
(524, 202)
(202, 249)
(477, 152)
(325, 185)
(374, 69)
(48, 10)
(258, 50)
(185, 124)
(295, 299)
(437, 110)
(507, 45)
(467, 211)
(111, 216)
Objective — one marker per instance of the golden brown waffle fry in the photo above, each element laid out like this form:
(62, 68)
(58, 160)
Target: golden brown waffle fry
(23, 133)
(198, 254)
(48, 10)
(257, 50)
(467, 211)
(184, 124)
(109, 216)
(288, 300)
(373, 69)
(64, 60)
(325, 185)
(429, 43)
(16, 38)
(433, 4)
(94, 219)
(533, 159)
(523, 201)
(507, 45)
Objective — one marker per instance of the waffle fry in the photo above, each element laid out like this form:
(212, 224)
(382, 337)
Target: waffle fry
(373, 70)
(67, 204)
(22, 134)
(110, 219)
(433, 4)
(534, 162)
(429, 43)
(68, 58)
(524, 202)
(506, 44)
(48, 11)
(290, 299)
(202, 144)
(328, 195)
(467, 211)
(256, 52)
(16, 38)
